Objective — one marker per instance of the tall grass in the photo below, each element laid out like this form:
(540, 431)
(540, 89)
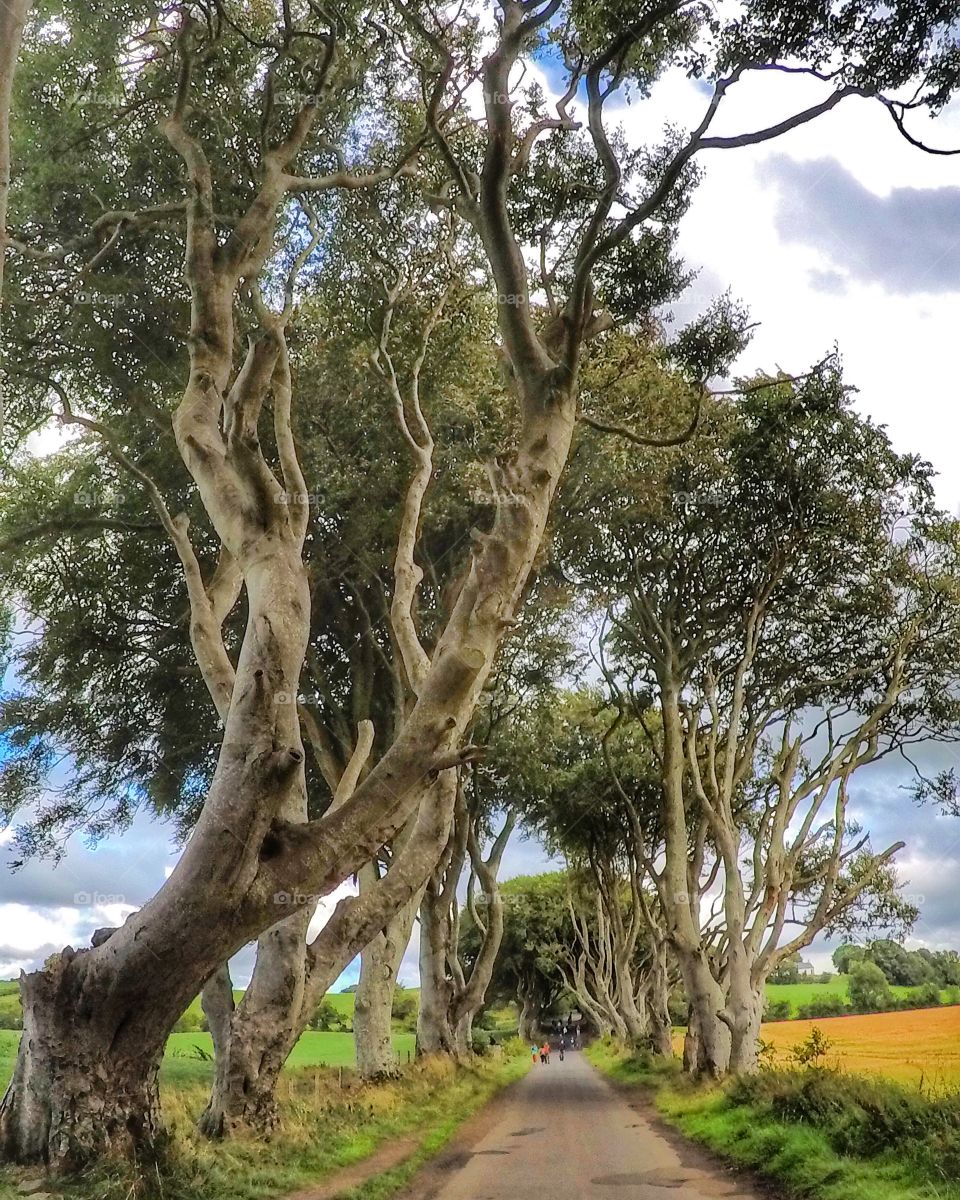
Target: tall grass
(330, 1120)
(826, 1135)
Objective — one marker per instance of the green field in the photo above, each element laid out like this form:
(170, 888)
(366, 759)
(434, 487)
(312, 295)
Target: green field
(183, 1062)
(803, 993)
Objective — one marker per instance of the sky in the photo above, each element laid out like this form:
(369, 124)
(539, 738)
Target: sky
(837, 234)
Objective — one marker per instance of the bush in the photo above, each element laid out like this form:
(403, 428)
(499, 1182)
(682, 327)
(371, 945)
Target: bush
(813, 1049)
(481, 1041)
(190, 1022)
(862, 1117)
(869, 990)
(10, 1019)
(404, 1008)
(830, 1005)
(326, 1016)
(927, 996)
(777, 1010)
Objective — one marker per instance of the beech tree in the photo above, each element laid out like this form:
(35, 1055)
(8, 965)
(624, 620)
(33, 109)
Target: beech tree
(606, 826)
(536, 925)
(259, 109)
(784, 617)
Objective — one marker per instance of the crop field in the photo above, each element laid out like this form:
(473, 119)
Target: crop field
(919, 1047)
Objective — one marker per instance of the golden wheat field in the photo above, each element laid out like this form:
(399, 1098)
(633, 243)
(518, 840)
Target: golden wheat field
(921, 1047)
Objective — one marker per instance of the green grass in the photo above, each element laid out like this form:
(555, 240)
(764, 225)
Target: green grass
(328, 1122)
(183, 1064)
(794, 1154)
(343, 1002)
(839, 985)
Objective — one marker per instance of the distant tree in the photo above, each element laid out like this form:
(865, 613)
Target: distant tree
(404, 1005)
(869, 990)
(788, 971)
(326, 1016)
(901, 967)
(351, 987)
(845, 957)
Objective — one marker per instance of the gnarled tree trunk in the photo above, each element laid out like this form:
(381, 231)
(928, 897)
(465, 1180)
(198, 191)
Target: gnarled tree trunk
(259, 1033)
(707, 1003)
(373, 1008)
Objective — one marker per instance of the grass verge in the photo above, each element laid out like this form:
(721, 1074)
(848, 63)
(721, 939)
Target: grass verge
(330, 1120)
(746, 1124)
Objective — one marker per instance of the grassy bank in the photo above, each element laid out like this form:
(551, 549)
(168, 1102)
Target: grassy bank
(824, 1135)
(330, 1120)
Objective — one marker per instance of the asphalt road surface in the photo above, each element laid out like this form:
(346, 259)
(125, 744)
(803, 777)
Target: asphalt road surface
(566, 1134)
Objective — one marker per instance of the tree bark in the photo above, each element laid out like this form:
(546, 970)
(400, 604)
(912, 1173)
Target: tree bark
(528, 1025)
(707, 1002)
(661, 1025)
(62, 1106)
(745, 1001)
(435, 1035)
(373, 1011)
(261, 1032)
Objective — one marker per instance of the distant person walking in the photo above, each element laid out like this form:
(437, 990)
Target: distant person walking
(534, 1051)
(545, 1052)
(563, 1042)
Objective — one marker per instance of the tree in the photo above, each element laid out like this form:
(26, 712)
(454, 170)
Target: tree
(788, 971)
(846, 957)
(869, 990)
(592, 792)
(89, 1084)
(777, 664)
(536, 927)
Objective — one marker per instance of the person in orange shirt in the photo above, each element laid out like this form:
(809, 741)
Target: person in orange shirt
(545, 1052)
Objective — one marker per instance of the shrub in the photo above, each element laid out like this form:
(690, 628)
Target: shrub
(830, 1005)
(404, 1008)
(869, 990)
(813, 1049)
(777, 1010)
(862, 1117)
(927, 995)
(481, 1041)
(326, 1016)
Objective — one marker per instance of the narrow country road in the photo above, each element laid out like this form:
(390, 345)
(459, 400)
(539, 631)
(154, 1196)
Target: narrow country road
(566, 1134)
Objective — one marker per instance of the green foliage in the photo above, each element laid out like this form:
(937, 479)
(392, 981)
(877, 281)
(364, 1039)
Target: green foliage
(788, 971)
(831, 1004)
(813, 1049)
(863, 1117)
(869, 990)
(327, 1017)
(846, 955)
(818, 1134)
